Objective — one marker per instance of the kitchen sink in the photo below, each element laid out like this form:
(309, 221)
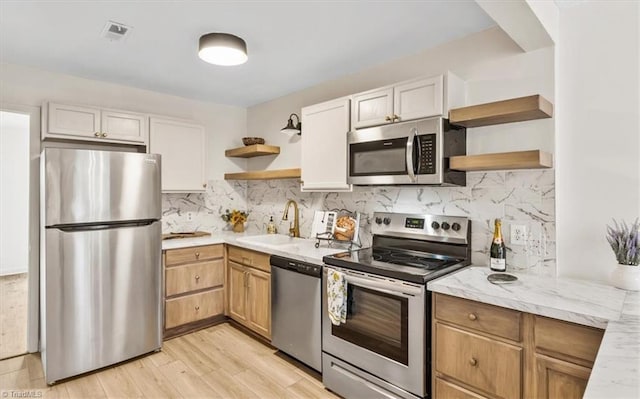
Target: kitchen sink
(272, 240)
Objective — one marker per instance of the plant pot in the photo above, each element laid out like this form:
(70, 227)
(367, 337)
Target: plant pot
(238, 228)
(626, 277)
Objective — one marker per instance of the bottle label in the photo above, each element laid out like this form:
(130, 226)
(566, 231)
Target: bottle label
(498, 264)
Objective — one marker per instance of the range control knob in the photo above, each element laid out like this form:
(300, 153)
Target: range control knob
(455, 227)
(378, 220)
(435, 225)
(445, 226)
(386, 221)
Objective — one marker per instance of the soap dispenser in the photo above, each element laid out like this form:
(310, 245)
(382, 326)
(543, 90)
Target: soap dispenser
(271, 227)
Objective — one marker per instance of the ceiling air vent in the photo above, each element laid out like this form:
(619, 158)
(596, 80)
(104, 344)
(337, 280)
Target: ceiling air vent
(115, 31)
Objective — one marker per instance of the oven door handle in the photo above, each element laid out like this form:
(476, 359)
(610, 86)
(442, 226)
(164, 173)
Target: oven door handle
(388, 288)
(410, 167)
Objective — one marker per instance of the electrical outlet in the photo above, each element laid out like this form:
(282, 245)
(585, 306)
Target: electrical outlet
(518, 234)
(189, 216)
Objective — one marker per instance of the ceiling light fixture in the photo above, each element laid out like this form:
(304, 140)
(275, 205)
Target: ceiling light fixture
(291, 128)
(222, 49)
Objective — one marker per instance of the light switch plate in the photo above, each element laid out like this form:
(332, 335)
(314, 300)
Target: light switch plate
(518, 234)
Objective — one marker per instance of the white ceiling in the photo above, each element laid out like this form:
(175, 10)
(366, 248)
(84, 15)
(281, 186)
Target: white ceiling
(291, 45)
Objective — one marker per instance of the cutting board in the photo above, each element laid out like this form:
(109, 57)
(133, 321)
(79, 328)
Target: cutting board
(192, 234)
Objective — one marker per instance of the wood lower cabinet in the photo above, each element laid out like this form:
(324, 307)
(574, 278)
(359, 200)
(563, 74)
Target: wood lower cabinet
(194, 288)
(485, 351)
(249, 289)
(559, 379)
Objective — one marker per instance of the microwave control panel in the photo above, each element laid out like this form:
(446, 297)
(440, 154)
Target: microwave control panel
(426, 162)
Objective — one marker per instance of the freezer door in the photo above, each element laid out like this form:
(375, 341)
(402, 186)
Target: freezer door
(101, 298)
(85, 186)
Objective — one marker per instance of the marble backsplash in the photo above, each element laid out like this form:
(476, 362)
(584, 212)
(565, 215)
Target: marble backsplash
(518, 197)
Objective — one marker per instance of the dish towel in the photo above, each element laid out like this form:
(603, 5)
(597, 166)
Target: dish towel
(337, 297)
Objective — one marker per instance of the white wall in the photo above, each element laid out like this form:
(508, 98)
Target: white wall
(598, 139)
(494, 67)
(14, 193)
(224, 124)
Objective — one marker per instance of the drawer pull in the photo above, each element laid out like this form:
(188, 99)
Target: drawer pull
(197, 278)
(197, 255)
(197, 308)
(473, 317)
(473, 362)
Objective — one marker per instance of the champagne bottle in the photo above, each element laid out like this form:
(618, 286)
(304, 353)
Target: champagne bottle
(498, 257)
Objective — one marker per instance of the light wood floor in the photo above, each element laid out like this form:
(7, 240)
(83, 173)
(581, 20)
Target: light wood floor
(218, 362)
(13, 315)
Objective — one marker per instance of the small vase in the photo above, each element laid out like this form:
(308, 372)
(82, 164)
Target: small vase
(626, 277)
(238, 227)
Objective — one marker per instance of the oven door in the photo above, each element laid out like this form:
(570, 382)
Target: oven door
(385, 332)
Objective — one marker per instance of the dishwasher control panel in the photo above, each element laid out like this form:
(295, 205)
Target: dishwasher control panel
(296, 266)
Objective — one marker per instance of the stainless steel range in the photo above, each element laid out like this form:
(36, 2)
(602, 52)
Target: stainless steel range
(383, 348)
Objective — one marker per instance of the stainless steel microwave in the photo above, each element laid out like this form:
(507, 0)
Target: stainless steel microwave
(414, 152)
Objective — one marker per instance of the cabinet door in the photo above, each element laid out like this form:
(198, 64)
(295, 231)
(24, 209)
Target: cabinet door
(125, 127)
(237, 291)
(372, 108)
(557, 379)
(324, 146)
(259, 302)
(71, 120)
(418, 99)
(182, 147)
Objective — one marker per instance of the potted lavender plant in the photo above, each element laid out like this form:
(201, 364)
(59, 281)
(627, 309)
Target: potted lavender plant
(625, 242)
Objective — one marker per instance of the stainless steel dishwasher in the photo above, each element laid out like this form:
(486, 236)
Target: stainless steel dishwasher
(296, 310)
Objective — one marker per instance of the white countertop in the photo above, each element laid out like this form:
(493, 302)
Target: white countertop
(304, 250)
(616, 371)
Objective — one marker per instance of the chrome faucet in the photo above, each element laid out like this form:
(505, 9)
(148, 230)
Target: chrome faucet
(294, 228)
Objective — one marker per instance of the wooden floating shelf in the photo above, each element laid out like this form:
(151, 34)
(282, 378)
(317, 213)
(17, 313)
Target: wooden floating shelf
(265, 174)
(534, 159)
(250, 151)
(506, 111)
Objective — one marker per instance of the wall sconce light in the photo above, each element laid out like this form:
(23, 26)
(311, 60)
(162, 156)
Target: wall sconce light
(222, 49)
(291, 128)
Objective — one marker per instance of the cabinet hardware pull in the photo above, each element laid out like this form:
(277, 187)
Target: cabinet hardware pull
(387, 118)
(395, 117)
(204, 185)
(97, 134)
(197, 255)
(197, 278)
(197, 308)
(104, 135)
(473, 362)
(473, 317)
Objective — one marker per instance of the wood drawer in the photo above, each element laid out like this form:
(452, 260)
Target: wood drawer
(491, 366)
(193, 254)
(194, 276)
(447, 390)
(579, 343)
(251, 258)
(490, 319)
(193, 307)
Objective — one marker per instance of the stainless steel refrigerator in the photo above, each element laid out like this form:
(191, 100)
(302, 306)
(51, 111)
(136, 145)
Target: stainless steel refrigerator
(101, 268)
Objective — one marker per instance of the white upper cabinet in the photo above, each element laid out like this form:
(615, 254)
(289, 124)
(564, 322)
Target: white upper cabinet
(408, 100)
(324, 146)
(372, 108)
(124, 126)
(73, 122)
(182, 146)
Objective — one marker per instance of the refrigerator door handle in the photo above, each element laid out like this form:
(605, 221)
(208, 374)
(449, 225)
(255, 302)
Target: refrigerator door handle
(102, 226)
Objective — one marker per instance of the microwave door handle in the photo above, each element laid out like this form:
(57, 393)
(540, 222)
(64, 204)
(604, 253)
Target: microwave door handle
(410, 166)
(387, 288)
